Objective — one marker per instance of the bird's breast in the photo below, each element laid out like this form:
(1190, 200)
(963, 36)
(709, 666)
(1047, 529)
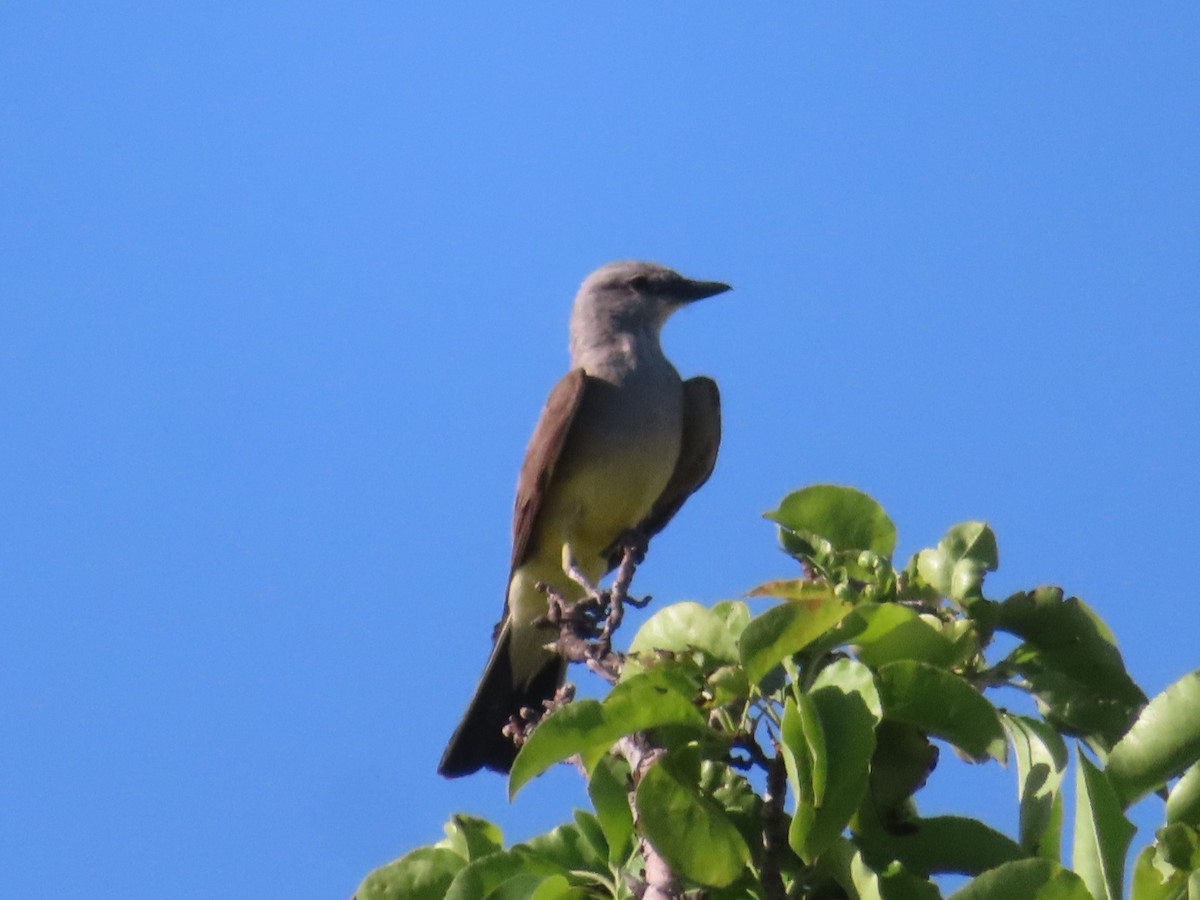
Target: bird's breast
(621, 452)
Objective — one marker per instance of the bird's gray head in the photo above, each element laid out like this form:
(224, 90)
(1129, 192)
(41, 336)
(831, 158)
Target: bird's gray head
(632, 298)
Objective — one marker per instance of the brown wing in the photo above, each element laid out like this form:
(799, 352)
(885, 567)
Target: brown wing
(697, 454)
(541, 457)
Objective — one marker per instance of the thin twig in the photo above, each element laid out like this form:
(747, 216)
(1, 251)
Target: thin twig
(522, 724)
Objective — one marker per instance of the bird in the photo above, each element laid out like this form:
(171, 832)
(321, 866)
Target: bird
(620, 445)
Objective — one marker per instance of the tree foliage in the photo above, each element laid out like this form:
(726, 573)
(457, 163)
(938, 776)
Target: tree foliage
(778, 755)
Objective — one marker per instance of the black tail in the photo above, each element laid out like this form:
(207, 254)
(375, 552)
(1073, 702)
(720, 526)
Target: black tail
(479, 741)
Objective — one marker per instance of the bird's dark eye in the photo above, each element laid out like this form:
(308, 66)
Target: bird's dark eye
(639, 282)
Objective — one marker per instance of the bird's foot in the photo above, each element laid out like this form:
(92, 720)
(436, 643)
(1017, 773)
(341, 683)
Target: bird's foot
(632, 541)
(572, 570)
(618, 597)
(558, 607)
(585, 627)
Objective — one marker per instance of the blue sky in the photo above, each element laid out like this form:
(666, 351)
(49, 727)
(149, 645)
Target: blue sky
(282, 291)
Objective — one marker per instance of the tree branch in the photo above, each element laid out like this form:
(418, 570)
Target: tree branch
(660, 882)
(774, 837)
(585, 632)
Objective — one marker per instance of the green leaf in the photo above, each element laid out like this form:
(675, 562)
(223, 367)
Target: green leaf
(811, 610)
(684, 628)
(944, 705)
(594, 847)
(588, 727)
(528, 886)
(938, 845)
(847, 518)
(1163, 741)
(1183, 803)
(892, 883)
(734, 794)
(423, 874)
(728, 687)
(1179, 846)
(1147, 882)
(1026, 879)
(471, 837)
(1072, 706)
(893, 632)
(556, 888)
(1067, 630)
(745, 888)
(1102, 833)
(1155, 879)
(689, 829)
(802, 743)
(847, 676)
(484, 875)
(1041, 765)
(1169, 869)
(1072, 664)
(579, 846)
(609, 789)
(903, 760)
(835, 865)
(846, 703)
(735, 614)
(955, 567)
(804, 735)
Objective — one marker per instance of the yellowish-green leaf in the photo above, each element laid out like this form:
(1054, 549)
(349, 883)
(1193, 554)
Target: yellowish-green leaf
(811, 610)
(1164, 740)
(1102, 833)
(893, 632)
(844, 516)
(1041, 765)
(423, 874)
(588, 727)
(1025, 879)
(846, 704)
(689, 830)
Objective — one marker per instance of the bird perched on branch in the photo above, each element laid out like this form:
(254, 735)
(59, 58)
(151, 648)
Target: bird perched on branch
(621, 444)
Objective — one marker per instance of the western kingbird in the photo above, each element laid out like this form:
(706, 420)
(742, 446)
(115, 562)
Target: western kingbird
(621, 444)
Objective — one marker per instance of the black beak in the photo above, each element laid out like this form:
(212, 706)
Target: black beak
(686, 291)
